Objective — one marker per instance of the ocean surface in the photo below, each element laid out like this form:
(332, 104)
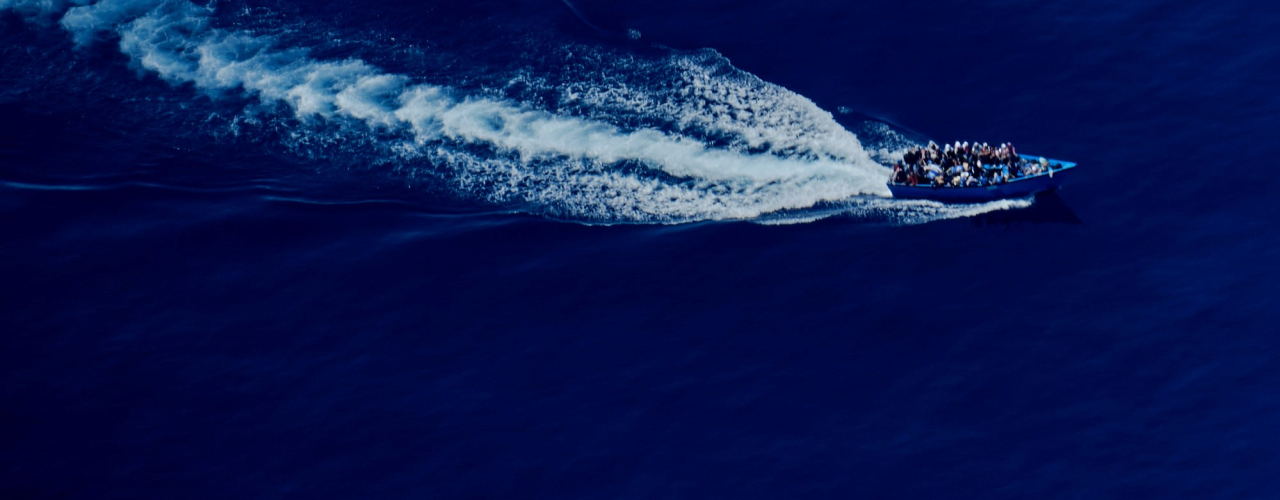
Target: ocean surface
(600, 250)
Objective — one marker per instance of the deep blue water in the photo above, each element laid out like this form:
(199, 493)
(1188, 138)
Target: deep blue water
(240, 260)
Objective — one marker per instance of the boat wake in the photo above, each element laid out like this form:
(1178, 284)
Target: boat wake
(609, 137)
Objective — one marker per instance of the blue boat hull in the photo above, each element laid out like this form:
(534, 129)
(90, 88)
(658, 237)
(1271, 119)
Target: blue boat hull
(1017, 188)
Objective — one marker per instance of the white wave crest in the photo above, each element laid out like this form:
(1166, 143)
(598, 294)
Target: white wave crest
(735, 148)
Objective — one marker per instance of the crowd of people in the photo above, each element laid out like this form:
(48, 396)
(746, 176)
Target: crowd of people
(963, 164)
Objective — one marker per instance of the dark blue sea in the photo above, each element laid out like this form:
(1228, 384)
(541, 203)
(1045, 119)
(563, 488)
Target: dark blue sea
(602, 250)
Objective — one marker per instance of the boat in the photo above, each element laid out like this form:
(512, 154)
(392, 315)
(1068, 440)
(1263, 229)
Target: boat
(1018, 187)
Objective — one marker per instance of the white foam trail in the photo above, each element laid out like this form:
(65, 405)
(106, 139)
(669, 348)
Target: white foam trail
(779, 151)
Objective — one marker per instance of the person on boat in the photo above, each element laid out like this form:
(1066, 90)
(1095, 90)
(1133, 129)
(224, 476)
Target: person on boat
(1034, 168)
(932, 172)
(899, 173)
(995, 174)
(912, 156)
(1016, 169)
(959, 176)
(984, 155)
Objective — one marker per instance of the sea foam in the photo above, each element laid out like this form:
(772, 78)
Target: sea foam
(711, 143)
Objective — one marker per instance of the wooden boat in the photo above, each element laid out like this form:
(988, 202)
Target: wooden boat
(1018, 187)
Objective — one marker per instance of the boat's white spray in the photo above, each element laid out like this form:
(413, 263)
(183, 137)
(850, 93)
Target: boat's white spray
(784, 153)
